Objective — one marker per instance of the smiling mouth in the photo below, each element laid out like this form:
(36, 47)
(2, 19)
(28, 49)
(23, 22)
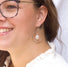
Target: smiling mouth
(4, 30)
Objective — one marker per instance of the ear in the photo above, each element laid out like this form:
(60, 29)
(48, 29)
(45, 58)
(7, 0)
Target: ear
(41, 16)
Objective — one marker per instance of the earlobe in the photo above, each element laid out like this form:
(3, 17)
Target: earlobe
(41, 16)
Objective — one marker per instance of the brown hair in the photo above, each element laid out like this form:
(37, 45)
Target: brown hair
(3, 55)
(51, 25)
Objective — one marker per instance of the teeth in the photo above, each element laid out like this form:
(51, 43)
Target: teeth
(4, 30)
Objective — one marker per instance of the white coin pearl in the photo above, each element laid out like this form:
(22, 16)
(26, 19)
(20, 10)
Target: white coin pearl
(37, 37)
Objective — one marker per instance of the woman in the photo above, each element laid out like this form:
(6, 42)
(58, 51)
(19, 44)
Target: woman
(27, 29)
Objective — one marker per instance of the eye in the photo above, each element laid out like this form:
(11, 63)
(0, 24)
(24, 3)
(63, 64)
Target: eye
(11, 6)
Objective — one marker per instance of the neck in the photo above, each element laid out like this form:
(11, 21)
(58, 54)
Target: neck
(21, 58)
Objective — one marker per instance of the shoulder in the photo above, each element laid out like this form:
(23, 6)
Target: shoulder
(48, 59)
(58, 61)
(53, 61)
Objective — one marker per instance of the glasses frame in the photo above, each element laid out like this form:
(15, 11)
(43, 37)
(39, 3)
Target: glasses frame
(17, 6)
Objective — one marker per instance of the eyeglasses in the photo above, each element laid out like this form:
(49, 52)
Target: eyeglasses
(9, 9)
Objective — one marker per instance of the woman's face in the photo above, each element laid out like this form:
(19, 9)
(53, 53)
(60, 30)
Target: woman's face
(18, 30)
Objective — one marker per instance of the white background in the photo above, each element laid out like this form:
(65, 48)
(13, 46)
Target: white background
(62, 8)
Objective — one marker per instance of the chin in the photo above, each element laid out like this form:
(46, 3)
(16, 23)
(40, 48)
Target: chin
(4, 45)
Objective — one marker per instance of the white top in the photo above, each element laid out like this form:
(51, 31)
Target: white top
(48, 59)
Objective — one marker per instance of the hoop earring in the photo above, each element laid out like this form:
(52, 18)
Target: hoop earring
(37, 38)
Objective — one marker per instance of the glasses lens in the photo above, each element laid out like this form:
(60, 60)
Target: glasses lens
(9, 8)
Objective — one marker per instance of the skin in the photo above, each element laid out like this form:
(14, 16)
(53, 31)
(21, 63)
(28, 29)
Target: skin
(18, 42)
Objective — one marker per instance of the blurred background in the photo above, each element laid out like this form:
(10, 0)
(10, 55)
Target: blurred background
(62, 9)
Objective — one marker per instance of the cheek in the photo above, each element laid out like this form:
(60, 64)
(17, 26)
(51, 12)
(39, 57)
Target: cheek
(26, 21)
(24, 25)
